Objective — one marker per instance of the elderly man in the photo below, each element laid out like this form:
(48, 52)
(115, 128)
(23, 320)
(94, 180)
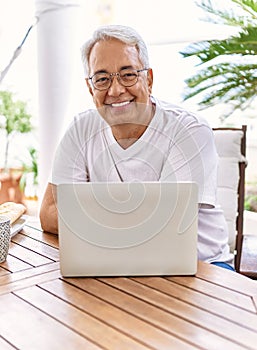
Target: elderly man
(132, 136)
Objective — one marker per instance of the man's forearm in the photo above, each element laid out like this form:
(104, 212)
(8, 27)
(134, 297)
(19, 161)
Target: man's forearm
(48, 210)
(48, 219)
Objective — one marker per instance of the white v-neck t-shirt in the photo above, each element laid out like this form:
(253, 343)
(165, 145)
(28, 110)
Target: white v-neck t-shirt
(176, 146)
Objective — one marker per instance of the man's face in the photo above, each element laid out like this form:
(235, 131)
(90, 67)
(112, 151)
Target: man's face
(119, 104)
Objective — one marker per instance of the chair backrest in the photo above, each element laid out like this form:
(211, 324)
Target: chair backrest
(231, 149)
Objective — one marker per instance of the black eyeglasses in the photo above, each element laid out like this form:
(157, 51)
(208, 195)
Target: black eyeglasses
(126, 77)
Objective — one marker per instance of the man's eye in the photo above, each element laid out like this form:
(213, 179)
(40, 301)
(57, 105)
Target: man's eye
(129, 75)
(101, 80)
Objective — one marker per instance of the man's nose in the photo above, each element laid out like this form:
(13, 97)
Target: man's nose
(116, 88)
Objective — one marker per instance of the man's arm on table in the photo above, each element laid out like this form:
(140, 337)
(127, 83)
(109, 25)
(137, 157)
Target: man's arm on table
(48, 210)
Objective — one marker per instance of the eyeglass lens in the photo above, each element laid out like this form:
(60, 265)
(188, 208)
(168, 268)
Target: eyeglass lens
(126, 77)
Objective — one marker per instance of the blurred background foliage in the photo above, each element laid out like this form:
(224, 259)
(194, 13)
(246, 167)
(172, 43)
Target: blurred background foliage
(227, 69)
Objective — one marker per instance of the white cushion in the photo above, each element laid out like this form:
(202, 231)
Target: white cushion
(228, 173)
(228, 145)
(228, 202)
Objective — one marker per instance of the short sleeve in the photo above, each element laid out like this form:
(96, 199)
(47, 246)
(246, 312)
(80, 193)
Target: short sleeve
(193, 157)
(69, 162)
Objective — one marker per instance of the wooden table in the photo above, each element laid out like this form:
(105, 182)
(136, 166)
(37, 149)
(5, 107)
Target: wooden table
(216, 309)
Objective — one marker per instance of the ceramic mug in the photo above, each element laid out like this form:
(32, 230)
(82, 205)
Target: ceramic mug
(5, 236)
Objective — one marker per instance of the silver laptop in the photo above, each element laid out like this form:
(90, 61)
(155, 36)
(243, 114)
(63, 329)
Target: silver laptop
(127, 229)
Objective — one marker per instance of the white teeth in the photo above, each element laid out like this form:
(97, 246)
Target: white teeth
(120, 104)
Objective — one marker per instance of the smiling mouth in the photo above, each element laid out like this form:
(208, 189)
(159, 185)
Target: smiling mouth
(120, 104)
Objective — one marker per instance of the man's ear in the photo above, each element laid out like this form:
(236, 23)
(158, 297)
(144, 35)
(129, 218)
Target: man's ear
(150, 79)
(89, 87)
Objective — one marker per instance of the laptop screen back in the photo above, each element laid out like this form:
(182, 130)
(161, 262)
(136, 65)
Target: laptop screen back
(122, 229)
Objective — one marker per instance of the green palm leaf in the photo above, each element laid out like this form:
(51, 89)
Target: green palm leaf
(241, 13)
(229, 66)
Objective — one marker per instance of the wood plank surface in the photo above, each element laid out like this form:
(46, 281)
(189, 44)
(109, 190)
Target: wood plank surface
(40, 309)
(80, 322)
(28, 328)
(37, 246)
(28, 282)
(15, 264)
(4, 345)
(3, 271)
(28, 249)
(218, 325)
(27, 255)
(213, 305)
(45, 237)
(115, 317)
(214, 290)
(227, 278)
(25, 274)
(249, 256)
(179, 324)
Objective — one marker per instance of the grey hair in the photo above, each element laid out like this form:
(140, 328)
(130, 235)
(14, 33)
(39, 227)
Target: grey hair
(123, 33)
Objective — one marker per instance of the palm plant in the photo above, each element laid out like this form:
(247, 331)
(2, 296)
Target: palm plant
(229, 66)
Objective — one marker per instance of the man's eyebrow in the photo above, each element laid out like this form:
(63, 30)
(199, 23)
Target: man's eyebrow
(105, 71)
(99, 71)
(127, 67)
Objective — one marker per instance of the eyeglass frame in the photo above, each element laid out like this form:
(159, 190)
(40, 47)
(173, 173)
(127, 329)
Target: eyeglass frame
(117, 74)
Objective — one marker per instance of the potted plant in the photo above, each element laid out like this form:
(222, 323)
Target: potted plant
(14, 119)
